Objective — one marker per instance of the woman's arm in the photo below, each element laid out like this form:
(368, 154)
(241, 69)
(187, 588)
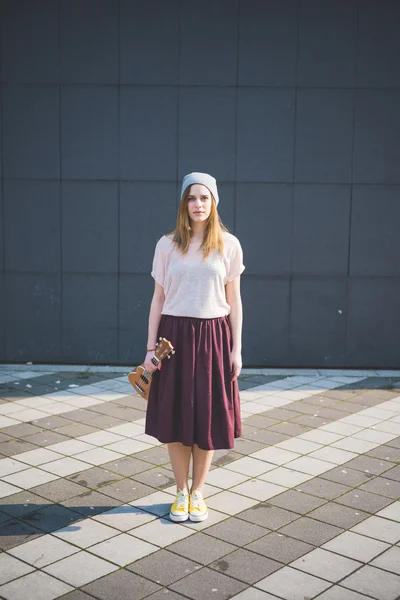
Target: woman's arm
(232, 290)
(156, 307)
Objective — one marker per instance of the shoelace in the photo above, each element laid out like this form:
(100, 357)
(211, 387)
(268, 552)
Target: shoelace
(181, 500)
(196, 500)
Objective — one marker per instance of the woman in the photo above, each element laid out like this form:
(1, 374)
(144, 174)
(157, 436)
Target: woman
(194, 404)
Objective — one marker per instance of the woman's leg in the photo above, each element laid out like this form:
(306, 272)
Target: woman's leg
(201, 465)
(179, 456)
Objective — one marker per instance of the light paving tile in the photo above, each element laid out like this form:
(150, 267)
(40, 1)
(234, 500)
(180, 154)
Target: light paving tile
(270, 401)
(341, 428)
(65, 466)
(361, 420)
(161, 532)
(379, 528)
(356, 546)
(158, 503)
(378, 412)
(333, 455)
(148, 439)
(291, 584)
(230, 503)
(123, 549)
(34, 402)
(29, 478)
(70, 447)
(101, 438)
(258, 489)
(321, 437)
(249, 466)
(286, 477)
(43, 551)
(274, 455)
(10, 465)
(29, 414)
(386, 426)
(391, 512)
(327, 565)
(80, 568)
(253, 594)
(6, 489)
(224, 478)
(10, 408)
(253, 408)
(98, 456)
(107, 396)
(214, 517)
(311, 466)
(125, 517)
(35, 586)
(374, 582)
(128, 446)
(353, 444)
(83, 401)
(56, 409)
(297, 445)
(127, 429)
(390, 560)
(11, 568)
(85, 533)
(38, 457)
(7, 422)
(370, 435)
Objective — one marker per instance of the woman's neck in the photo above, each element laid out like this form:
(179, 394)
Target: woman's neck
(198, 230)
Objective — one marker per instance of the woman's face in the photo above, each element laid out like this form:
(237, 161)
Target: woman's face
(199, 203)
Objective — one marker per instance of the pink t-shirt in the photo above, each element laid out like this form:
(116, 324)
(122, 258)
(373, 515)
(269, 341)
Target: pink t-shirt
(194, 287)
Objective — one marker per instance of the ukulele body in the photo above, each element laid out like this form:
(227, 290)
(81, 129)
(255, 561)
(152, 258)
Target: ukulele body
(140, 378)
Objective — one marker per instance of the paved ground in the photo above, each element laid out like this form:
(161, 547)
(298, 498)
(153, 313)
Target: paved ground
(306, 506)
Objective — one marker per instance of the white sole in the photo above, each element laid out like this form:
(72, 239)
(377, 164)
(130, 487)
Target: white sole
(198, 518)
(178, 518)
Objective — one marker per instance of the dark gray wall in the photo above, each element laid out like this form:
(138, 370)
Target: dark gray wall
(292, 105)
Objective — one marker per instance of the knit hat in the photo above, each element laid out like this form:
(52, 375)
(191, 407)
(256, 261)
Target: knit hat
(203, 179)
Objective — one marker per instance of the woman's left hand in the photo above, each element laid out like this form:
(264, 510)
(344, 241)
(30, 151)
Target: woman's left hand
(236, 364)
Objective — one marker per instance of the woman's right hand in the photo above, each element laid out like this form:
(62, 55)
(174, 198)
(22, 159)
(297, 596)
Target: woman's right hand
(149, 365)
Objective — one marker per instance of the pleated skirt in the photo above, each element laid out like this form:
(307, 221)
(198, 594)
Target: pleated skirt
(193, 399)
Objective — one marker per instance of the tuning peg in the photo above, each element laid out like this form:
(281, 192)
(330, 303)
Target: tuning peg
(160, 338)
(173, 352)
(168, 357)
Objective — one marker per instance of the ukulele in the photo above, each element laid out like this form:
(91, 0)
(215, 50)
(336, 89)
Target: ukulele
(140, 378)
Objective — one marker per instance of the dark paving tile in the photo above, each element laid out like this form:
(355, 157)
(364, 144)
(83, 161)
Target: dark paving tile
(161, 595)
(346, 476)
(119, 412)
(52, 422)
(200, 585)
(91, 503)
(310, 421)
(14, 533)
(393, 473)
(23, 430)
(156, 456)
(123, 583)
(311, 531)
(374, 582)
(236, 531)
(395, 443)
(280, 547)
(94, 478)
(369, 464)
(339, 515)
(332, 414)
(52, 517)
(127, 490)
(200, 549)
(57, 490)
(385, 452)
(46, 438)
(247, 446)
(290, 429)
(164, 567)
(267, 437)
(225, 457)
(297, 501)
(13, 394)
(363, 500)
(4, 438)
(323, 488)
(22, 503)
(282, 414)
(103, 421)
(77, 595)
(246, 430)
(349, 407)
(267, 515)
(246, 566)
(127, 466)
(4, 518)
(15, 446)
(383, 486)
(133, 402)
(260, 421)
(74, 430)
(158, 478)
(339, 394)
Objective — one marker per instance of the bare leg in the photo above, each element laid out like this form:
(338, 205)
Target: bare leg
(179, 456)
(201, 465)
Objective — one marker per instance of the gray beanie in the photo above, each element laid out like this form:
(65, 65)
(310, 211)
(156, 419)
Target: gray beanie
(203, 179)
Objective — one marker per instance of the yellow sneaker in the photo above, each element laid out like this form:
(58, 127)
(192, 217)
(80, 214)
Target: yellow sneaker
(180, 508)
(197, 507)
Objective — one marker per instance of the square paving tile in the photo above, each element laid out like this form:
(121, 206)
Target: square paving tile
(312, 466)
(201, 549)
(158, 478)
(311, 531)
(380, 529)
(269, 516)
(35, 586)
(51, 517)
(280, 547)
(162, 532)
(369, 464)
(123, 549)
(163, 567)
(258, 489)
(124, 583)
(22, 503)
(385, 453)
(65, 466)
(385, 487)
(90, 503)
(393, 473)
(391, 512)
(356, 546)
(389, 560)
(326, 565)
(58, 490)
(345, 476)
(230, 503)
(158, 503)
(127, 490)
(323, 488)
(10, 465)
(339, 515)
(291, 584)
(80, 568)
(201, 585)
(363, 500)
(374, 582)
(285, 477)
(125, 517)
(225, 478)
(339, 593)
(14, 533)
(246, 566)
(297, 501)
(85, 533)
(250, 466)
(236, 531)
(127, 466)
(11, 568)
(43, 551)
(29, 478)
(46, 438)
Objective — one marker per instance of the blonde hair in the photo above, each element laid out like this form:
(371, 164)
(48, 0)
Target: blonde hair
(213, 238)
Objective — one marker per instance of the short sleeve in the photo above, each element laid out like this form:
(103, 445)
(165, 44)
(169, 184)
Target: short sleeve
(159, 263)
(236, 266)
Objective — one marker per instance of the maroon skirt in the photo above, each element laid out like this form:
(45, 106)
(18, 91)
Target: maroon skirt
(193, 399)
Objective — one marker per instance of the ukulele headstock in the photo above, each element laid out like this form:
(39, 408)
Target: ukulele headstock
(163, 349)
